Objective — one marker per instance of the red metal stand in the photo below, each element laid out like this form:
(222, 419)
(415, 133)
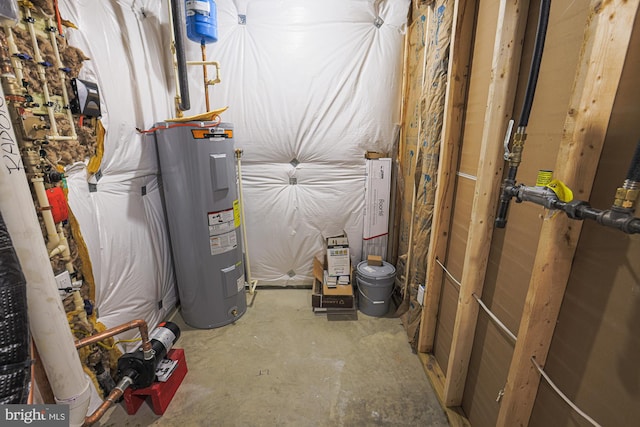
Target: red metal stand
(161, 393)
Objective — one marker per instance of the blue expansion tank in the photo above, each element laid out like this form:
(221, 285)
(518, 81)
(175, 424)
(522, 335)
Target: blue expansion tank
(202, 21)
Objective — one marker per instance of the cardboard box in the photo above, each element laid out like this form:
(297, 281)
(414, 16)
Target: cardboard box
(376, 207)
(320, 300)
(324, 297)
(338, 259)
(374, 260)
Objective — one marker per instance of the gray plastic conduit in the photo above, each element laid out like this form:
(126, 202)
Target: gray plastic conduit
(15, 361)
(177, 8)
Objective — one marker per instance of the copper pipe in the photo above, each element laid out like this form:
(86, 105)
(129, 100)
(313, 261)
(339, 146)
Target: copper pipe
(203, 47)
(32, 382)
(44, 386)
(125, 382)
(113, 397)
(139, 323)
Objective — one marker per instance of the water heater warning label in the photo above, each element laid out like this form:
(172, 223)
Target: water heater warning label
(223, 243)
(221, 222)
(222, 231)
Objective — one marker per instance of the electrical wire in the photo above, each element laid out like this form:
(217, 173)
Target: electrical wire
(449, 274)
(482, 304)
(495, 319)
(562, 395)
(175, 125)
(533, 359)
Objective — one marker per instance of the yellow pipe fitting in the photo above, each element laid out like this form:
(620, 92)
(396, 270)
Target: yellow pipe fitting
(515, 157)
(626, 198)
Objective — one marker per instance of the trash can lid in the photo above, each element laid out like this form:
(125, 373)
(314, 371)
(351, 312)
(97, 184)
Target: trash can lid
(376, 272)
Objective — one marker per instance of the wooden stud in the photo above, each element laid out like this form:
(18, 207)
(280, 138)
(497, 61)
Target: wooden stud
(398, 156)
(512, 18)
(458, 78)
(606, 42)
(431, 367)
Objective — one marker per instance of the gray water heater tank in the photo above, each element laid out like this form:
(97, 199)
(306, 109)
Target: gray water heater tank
(197, 165)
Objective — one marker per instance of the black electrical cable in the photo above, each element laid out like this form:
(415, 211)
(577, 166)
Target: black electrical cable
(541, 33)
(634, 167)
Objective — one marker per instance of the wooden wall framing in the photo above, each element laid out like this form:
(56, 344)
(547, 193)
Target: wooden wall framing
(594, 93)
(606, 40)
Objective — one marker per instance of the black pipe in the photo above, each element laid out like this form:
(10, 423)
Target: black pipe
(518, 144)
(620, 219)
(508, 187)
(177, 8)
(15, 360)
(541, 33)
(633, 175)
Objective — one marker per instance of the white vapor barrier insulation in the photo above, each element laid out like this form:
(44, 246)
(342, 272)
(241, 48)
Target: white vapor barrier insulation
(124, 230)
(310, 85)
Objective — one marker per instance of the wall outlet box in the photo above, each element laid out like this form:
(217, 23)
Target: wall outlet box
(421, 294)
(63, 280)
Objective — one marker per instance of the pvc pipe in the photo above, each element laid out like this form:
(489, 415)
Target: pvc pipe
(13, 50)
(66, 252)
(252, 283)
(215, 64)
(63, 78)
(59, 138)
(41, 71)
(53, 239)
(47, 318)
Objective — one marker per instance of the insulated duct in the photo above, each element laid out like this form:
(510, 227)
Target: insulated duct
(178, 22)
(15, 362)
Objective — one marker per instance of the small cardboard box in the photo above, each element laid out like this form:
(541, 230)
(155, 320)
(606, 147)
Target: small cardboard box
(338, 259)
(323, 297)
(374, 260)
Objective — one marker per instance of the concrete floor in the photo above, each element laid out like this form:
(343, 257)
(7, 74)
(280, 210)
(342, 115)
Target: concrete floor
(282, 365)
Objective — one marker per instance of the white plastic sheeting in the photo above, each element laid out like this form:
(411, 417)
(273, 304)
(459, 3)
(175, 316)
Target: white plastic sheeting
(122, 221)
(311, 85)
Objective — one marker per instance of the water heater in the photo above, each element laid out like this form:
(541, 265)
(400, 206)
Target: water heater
(199, 178)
